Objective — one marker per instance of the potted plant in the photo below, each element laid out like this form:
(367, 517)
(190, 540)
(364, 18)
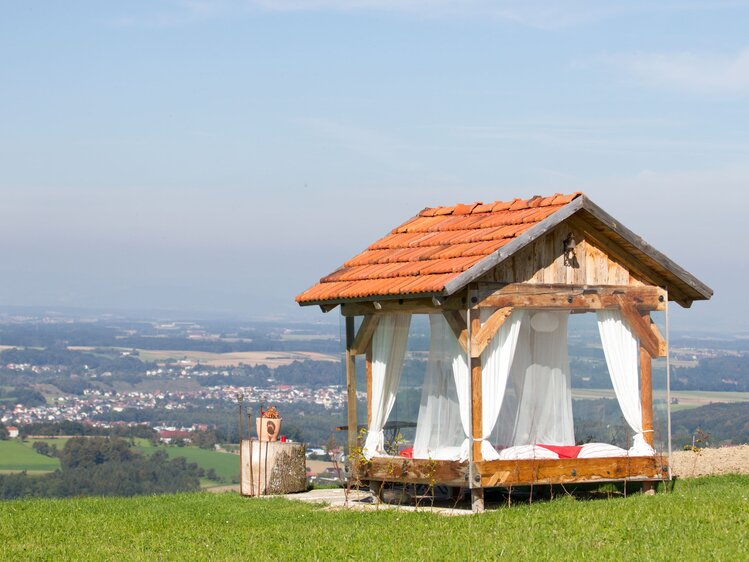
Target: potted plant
(268, 424)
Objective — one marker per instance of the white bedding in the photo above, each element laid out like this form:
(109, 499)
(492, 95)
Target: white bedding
(600, 450)
(523, 452)
(588, 451)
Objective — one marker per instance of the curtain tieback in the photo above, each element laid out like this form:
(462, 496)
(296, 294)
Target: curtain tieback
(648, 431)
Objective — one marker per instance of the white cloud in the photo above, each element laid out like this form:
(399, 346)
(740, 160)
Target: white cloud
(697, 72)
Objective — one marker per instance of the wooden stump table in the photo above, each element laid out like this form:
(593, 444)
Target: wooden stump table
(272, 467)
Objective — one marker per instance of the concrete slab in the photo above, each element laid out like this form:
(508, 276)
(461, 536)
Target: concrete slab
(360, 500)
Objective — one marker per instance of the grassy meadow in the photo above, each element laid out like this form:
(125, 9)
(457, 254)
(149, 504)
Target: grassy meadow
(16, 456)
(226, 465)
(699, 519)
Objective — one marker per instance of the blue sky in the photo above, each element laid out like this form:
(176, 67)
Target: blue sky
(222, 156)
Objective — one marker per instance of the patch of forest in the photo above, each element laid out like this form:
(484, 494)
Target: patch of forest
(719, 423)
(229, 338)
(726, 373)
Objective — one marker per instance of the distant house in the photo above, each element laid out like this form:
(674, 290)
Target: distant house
(12, 431)
(168, 435)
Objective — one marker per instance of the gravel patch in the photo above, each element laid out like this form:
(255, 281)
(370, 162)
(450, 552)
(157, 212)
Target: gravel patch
(708, 462)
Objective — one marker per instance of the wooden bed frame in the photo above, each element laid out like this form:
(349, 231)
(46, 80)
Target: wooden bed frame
(507, 473)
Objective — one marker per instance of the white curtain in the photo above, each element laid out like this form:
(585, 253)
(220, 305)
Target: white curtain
(544, 413)
(621, 349)
(439, 432)
(496, 361)
(388, 352)
(446, 351)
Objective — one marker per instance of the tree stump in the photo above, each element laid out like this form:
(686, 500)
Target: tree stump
(272, 467)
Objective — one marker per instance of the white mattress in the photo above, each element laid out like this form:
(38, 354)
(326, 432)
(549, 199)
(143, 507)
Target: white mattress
(523, 452)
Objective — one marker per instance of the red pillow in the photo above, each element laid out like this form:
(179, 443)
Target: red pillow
(564, 451)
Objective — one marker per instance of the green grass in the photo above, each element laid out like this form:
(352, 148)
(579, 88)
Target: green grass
(58, 441)
(225, 464)
(15, 456)
(701, 519)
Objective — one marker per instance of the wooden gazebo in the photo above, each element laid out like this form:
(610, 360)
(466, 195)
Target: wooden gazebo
(557, 253)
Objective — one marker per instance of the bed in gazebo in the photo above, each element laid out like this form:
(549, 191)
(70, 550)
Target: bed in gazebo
(499, 283)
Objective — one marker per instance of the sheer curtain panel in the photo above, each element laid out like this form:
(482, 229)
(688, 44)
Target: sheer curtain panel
(388, 352)
(496, 361)
(621, 349)
(439, 432)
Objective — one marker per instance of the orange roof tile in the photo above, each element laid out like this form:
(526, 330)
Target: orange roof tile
(429, 250)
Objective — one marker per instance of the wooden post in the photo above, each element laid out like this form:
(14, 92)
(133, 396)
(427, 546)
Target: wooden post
(646, 394)
(477, 500)
(369, 384)
(353, 427)
(477, 427)
(646, 404)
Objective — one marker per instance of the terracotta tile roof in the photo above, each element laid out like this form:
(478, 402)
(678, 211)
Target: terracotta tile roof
(426, 252)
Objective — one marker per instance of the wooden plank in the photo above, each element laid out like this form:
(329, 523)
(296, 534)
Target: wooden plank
(662, 344)
(488, 330)
(636, 267)
(369, 384)
(565, 297)
(601, 245)
(458, 326)
(703, 292)
(415, 471)
(528, 237)
(563, 471)
(351, 386)
(646, 394)
(410, 305)
(476, 405)
(365, 333)
(639, 326)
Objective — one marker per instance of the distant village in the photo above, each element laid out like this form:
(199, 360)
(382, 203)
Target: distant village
(95, 402)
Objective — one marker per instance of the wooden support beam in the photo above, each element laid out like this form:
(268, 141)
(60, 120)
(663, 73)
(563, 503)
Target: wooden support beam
(570, 297)
(639, 326)
(516, 472)
(486, 333)
(369, 384)
(364, 335)
(662, 344)
(646, 394)
(327, 307)
(411, 305)
(458, 326)
(477, 427)
(351, 386)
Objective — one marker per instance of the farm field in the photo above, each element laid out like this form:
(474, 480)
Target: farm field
(686, 398)
(269, 358)
(700, 519)
(16, 456)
